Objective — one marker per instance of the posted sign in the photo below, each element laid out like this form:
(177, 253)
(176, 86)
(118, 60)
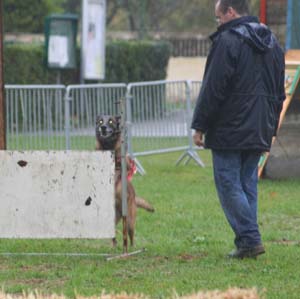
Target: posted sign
(60, 41)
(93, 39)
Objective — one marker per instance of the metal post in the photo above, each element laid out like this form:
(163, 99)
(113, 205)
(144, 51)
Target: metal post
(263, 11)
(67, 118)
(124, 175)
(190, 153)
(289, 25)
(188, 87)
(58, 77)
(142, 19)
(129, 121)
(81, 47)
(129, 97)
(2, 98)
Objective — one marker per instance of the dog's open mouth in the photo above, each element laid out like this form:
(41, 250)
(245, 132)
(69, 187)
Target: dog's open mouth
(105, 132)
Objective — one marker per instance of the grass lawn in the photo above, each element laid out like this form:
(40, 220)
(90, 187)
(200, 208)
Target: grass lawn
(139, 144)
(186, 239)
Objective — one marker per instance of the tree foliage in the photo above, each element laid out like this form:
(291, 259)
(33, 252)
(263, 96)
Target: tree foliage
(145, 14)
(164, 15)
(130, 15)
(27, 16)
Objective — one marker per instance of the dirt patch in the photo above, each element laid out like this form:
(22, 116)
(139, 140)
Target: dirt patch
(233, 293)
(192, 257)
(286, 242)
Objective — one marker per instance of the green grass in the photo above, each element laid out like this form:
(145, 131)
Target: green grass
(186, 239)
(139, 144)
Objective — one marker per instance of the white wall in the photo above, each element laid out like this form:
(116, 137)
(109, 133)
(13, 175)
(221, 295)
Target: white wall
(186, 68)
(62, 194)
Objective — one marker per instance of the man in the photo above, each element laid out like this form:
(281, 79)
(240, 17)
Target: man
(238, 111)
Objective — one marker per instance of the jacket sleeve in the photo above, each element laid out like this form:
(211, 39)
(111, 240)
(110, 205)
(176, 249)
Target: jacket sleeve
(216, 83)
(282, 97)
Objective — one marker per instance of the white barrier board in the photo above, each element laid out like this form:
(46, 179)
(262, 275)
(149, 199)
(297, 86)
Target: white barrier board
(57, 194)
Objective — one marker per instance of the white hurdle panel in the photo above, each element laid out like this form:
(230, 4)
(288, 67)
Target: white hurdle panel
(57, 194)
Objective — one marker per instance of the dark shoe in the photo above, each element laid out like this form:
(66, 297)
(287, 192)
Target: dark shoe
(251, 252)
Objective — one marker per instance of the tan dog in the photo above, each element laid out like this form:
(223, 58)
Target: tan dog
(108, 137)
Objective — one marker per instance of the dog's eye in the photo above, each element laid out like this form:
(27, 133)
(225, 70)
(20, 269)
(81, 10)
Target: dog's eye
(110, 122)
(100, 121)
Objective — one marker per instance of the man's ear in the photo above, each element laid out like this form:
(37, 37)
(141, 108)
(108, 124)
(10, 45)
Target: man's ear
(232, 12)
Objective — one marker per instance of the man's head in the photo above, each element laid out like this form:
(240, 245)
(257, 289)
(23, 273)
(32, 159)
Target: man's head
(227, 10)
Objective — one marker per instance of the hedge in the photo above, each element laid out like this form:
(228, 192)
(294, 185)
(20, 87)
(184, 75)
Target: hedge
(126, 61)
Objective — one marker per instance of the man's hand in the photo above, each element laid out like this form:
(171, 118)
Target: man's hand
(198, 138)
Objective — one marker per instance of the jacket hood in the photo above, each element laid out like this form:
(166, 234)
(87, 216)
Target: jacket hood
(259, 36)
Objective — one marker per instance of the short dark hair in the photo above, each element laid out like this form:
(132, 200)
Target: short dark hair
(241, 6)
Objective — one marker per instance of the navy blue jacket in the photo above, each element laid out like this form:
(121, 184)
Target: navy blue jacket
(242, 91)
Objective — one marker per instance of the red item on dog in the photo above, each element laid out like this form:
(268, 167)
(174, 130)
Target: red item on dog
(132, 170)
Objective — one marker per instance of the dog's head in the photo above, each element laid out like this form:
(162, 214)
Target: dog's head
(107, 131)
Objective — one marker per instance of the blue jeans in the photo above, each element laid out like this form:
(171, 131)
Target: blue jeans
(236, 178)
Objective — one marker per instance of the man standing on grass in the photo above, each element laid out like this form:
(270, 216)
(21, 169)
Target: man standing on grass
(238, 110)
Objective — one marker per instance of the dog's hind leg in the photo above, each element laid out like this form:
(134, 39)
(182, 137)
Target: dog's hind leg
(131, 224)
(131, 234)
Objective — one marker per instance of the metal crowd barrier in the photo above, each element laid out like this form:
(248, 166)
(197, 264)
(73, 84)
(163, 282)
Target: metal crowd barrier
(55, 117)
(158, 119)
(195, 89)
(83, 104)
(35, 117)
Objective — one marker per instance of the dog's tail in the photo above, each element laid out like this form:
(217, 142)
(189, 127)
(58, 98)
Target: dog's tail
(142, 203)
